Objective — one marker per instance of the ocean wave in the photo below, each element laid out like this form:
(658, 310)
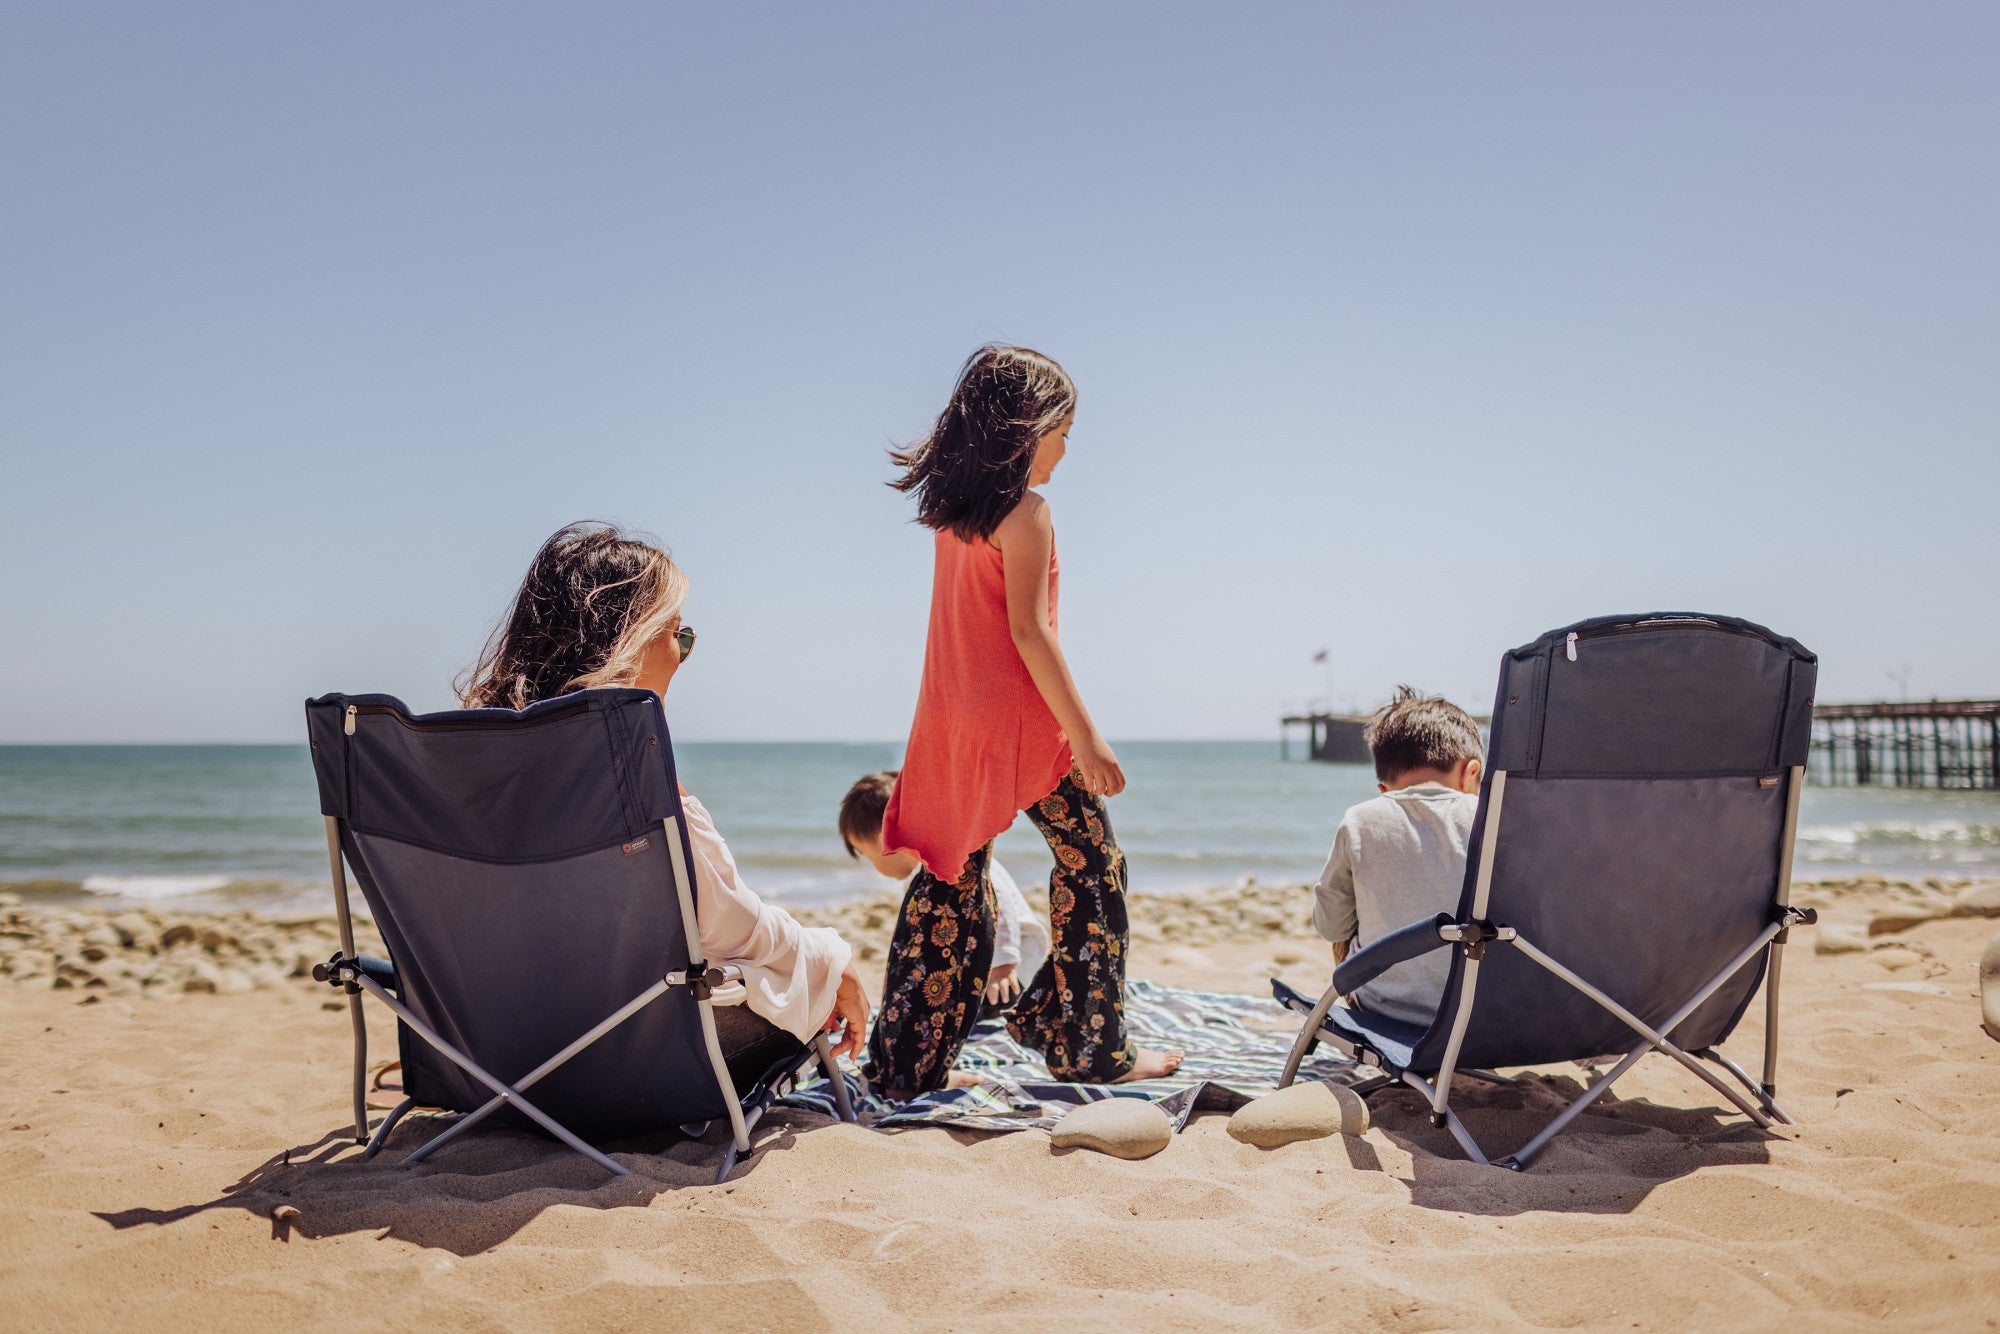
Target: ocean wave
(154, 886)
(1942, 834)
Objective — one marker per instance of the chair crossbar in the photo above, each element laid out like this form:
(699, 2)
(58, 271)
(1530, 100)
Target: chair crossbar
(1518, 1159)
(542, 1071)
(1656, 1040)
(1447, 1116)
(1762, 1094)
(1438, 1093)
(471, 1067)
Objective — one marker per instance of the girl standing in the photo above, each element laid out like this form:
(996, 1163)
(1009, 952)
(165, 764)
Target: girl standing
(1000, 729)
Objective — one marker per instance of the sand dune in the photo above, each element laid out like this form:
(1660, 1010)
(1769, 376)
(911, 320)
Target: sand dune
(147, 1140)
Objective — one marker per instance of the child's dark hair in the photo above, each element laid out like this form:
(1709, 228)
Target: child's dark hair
(972, 467)
(861, 809)
(1415, 731)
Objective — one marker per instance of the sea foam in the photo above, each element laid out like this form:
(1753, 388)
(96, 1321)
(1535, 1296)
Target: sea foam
(153, 886)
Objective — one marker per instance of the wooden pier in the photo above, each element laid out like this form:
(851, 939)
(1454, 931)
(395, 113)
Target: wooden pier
(1337, 738)
(1332, 737)
(1952, 743)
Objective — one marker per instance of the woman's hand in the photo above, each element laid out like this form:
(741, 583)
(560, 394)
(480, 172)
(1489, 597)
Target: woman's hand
(850, 1013)
(1002, 985)
(1097, 766)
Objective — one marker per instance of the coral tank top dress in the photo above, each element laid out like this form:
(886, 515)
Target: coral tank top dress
(984, 745)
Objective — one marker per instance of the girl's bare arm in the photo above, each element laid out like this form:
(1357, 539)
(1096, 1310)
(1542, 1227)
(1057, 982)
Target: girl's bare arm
(1026, 538)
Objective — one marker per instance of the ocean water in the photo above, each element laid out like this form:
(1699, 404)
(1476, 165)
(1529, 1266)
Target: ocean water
(221, 827)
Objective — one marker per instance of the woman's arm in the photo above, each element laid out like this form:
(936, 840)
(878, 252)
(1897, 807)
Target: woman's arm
(801, 979)
(1026, 538)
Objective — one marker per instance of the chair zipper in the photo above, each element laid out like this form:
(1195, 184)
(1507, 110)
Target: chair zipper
(416, 725)
(1640, 627)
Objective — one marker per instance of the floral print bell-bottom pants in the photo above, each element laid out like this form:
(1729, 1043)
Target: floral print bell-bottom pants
(1072, 1011)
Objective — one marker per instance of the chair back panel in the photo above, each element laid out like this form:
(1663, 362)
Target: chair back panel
(517, 866)
(1641, 831)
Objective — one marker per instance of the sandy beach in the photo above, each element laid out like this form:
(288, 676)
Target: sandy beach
(161, 1102)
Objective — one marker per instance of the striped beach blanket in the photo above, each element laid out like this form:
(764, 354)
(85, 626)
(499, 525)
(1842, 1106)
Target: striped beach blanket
(1236, 1048)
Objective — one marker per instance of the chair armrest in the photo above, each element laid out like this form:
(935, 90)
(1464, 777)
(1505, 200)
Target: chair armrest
(381, 970)
(1399, 946)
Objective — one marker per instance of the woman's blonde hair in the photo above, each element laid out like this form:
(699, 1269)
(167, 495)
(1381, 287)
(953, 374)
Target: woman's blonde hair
(593, 598)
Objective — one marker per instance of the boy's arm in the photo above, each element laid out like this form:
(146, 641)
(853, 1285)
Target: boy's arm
(1008, 905)
(1333, 896)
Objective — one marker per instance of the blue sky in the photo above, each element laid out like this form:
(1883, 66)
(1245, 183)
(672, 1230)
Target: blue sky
(1406, 332)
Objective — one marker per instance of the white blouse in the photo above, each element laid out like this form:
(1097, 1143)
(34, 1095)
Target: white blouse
(790, 972)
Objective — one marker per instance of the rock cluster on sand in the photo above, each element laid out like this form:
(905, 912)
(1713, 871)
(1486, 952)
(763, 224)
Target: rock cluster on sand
(144, 951)
(1121, 1127)
(1307, 1110)
(173, 952)
(1871, 914)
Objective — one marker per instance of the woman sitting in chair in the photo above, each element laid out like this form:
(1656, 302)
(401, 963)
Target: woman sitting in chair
(602, 608)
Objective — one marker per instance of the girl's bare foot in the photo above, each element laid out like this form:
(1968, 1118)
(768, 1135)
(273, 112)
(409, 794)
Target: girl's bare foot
(1150, 1064)
(963, 1079)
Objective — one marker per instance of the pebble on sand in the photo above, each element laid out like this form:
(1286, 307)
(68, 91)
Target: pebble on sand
(1978, 900)
(1889, 923)
(1840, 938)
(1121, 1127)
(1307, 1110)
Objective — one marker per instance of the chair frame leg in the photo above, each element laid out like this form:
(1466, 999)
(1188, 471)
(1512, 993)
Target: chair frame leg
(843, 1106)
(1308, 1038)
(381, 1135)
(345, 919)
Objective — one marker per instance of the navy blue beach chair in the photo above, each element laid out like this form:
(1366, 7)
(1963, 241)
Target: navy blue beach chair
(1628, 875)
(529, 873)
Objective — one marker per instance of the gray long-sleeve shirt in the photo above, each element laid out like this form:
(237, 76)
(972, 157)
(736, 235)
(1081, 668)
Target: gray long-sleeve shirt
(1397, 859)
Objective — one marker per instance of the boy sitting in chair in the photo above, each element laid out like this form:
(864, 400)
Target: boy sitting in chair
(1400, 857)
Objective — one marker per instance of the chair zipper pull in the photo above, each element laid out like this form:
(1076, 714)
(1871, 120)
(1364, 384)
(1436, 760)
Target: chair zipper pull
(351, 710)
(1572, 658)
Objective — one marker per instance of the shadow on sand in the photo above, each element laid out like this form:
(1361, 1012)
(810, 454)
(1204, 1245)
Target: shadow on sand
(1605, 1162)
(473, 1195)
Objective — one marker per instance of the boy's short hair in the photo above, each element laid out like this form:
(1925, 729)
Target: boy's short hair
(861, 809)
(1415, 731)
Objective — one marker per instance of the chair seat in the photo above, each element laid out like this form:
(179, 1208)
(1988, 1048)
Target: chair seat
(1391, 1039)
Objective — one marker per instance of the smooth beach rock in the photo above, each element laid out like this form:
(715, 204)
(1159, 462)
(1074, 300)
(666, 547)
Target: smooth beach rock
(1896, 957)
(1307, 1110)
(1980, 900)
(1902, 919)
(1840, 938)
(1989, 987)
(1121, 1127)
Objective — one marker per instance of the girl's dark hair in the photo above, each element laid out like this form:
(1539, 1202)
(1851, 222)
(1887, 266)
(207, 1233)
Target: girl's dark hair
(972, 468)
(593, 598)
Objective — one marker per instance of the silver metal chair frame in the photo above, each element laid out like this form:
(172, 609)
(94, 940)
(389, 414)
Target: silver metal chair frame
(346, 972)
(1467, 936)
